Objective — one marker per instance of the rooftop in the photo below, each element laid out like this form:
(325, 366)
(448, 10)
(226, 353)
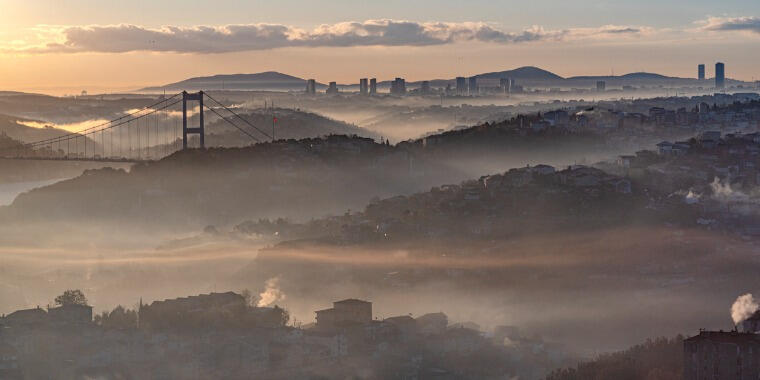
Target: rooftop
(725, 337)
(351, 301)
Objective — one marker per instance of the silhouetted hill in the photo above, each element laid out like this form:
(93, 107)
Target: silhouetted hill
(659, 359)
(14, 127)
(291, 124)
(69, 109)
(630, 76)
(642, 75)
(526, 75)
(268, 80)
(300, 179)
(523, 73)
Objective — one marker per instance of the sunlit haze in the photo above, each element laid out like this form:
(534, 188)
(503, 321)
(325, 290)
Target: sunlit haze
(356, 189)
(55, 47)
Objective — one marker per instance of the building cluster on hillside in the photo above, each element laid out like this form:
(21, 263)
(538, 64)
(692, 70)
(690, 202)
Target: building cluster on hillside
(210, 336)
(714, 355)
(714, 173)
(493, 205)
(741, 113)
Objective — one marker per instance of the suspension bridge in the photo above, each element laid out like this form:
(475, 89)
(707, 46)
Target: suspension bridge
(150, 133)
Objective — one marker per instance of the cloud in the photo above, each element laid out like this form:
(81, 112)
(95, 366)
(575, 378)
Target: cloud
(741, 24)
(233, 38)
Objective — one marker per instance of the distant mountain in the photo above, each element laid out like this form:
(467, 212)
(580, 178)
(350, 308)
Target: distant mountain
(642, 75)
(524, 73)
(268, 80)
(21, 129)
(526, 76)
(14, 93)
(630, 76)
(529, 74)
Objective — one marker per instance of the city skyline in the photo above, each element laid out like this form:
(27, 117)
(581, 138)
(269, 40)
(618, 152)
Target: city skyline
(54, 48)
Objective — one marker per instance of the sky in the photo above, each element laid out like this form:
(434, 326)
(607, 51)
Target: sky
(103, 46)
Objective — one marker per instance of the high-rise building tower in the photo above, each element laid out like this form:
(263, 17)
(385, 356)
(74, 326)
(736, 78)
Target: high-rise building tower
(398, 86)
(363, 87)
(473, 85)
(701, 71)
(601, 85)
(311, 86)
(332, 88)
(506, 85)
(461, 86)
(720, 75)
(425, 88)
(373, 86)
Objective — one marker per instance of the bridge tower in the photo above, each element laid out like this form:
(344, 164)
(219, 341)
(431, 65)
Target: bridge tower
(197, 96)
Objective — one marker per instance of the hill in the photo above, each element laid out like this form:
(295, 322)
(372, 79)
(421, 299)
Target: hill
(659, 359)
(524, 73)
(268, 80)
(291, 124)
(630, 76)
(288, 178)
(16, 128)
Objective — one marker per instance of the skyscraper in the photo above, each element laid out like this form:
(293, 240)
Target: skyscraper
(506, 85)
(720, 75)
(425, 88)
(473, 85)
(311, 86)
(701, 71)
(332, 88)
(373, 86)
(363, 88)
(601, 85)
(461, 86)
(398, 86)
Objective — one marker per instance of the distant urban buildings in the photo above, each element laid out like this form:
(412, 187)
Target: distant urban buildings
(601, 86)
(345, 313)
(311, 86)
(473, 85)
(506, 85)
(701, 71)
(373, 86)
(461, 86)
(720, 75)
(714, 355)
(363, 86)
(398, 86)
(332, 88)
(488, 85)
(425, 88)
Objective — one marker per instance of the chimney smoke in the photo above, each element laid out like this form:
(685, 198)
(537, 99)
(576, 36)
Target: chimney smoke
(743, 308)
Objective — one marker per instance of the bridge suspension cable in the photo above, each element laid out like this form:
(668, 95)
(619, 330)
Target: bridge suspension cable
(238, 116)
(90, 133)
(132, 143)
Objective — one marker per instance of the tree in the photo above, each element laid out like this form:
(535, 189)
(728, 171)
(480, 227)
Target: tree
(118, 318)
(283, 316)
(71, 297)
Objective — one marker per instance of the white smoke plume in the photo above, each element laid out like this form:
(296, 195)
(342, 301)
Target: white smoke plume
(724, 192)
(272, 293)
(743, 308)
